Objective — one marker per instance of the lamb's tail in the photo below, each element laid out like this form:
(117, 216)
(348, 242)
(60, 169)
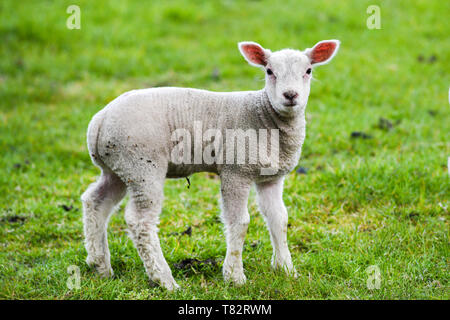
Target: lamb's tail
(93, 133)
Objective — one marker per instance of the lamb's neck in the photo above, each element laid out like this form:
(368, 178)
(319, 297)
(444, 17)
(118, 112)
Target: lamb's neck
(271, 119)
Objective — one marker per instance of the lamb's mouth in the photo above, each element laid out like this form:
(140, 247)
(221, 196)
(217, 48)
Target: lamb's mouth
(289, 104)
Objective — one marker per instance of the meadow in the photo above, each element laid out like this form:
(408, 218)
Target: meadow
(371, 204)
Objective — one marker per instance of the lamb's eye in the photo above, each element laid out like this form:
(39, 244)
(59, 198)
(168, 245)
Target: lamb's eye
(308, 71)
(269, 72)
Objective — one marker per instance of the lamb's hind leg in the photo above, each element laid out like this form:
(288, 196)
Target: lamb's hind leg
(142, 217)
(98, 203)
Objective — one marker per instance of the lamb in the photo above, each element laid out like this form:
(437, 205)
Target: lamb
(132, 141)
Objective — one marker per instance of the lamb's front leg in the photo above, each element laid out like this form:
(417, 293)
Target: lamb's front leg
(235, 216)
(270, 199)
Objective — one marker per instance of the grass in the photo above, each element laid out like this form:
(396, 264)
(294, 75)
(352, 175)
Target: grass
(382, 201)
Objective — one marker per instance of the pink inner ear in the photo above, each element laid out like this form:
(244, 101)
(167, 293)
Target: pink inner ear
(255, 54)
(322, 52)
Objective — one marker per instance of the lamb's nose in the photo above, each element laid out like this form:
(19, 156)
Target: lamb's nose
(290, 95)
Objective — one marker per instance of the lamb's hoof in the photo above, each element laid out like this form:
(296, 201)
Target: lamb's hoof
(293, 273)
(105, 273)
(289, 269)
(103, 269)
(164, 280)
(169, 284)
(237, 278)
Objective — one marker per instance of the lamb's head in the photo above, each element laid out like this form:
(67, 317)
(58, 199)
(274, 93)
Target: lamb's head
(288, 72)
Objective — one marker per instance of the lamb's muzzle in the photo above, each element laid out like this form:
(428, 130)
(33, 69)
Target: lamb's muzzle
(134, 138)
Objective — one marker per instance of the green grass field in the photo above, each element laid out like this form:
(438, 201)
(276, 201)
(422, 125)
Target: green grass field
(382, 201)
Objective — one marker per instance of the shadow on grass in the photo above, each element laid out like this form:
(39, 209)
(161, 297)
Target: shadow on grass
(209, 267)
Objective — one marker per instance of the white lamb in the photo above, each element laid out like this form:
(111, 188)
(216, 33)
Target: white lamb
(131, 141)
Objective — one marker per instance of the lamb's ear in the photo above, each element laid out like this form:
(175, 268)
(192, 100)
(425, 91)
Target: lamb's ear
(323, 52)
(254, 54)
